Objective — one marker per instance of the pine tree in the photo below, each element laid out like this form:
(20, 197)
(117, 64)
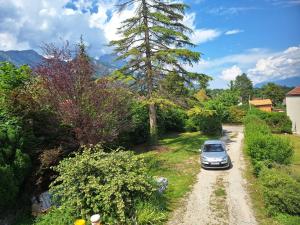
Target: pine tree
(153, 42)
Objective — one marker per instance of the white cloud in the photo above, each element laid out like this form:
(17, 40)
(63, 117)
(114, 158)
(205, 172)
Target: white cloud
(260, 65)
(244, 60)
(199, 35)
(235, 31)
(285, 3)
(29, 24)
(204, 35)
(8, 42)
(231, 73)
(281, 65)
(221, 11)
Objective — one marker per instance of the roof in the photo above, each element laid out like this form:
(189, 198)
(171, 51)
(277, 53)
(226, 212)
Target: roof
(258, 102)
(294, 92)
(212, 142)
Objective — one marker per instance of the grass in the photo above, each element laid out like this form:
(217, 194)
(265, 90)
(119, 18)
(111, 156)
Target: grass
(220, 192)
(295, 140)
(177, 159)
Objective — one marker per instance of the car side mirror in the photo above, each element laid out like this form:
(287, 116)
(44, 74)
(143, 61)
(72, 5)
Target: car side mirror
(200, 150)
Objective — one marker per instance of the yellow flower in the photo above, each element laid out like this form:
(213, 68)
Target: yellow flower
(79, 222)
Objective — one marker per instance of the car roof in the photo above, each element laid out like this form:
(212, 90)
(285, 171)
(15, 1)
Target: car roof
(210, 142)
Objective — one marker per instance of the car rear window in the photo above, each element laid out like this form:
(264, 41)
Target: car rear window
(213, 148)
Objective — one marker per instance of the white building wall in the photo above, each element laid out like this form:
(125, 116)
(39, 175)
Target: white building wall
(293, 111)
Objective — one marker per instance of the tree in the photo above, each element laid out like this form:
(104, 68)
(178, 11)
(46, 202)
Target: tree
(273, 91)
(13, 81)
(153, 41)
(245, 87)
(97, 110)
(14, 163)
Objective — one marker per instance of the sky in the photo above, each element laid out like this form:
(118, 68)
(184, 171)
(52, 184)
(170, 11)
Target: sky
(258, 37)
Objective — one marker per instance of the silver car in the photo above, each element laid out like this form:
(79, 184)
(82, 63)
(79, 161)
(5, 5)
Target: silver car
(214, 155)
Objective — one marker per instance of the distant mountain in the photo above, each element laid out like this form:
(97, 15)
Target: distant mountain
(289, 82)
(19, 58)
(104, 65)
(110, 60)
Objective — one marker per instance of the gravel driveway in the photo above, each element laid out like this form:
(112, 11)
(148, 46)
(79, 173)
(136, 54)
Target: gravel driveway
(219, 196)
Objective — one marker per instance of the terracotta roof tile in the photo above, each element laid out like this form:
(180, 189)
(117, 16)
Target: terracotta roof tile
(258, 102)
(295, 91)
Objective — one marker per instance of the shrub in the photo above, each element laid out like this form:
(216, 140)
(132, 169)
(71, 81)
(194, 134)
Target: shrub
(210, 125)
(14, 164)
(171, 118)
(207, 121)
(281, 192)
(278, 122)
(262, 145)
(139, 131)
(105, 183)
(236, 114)
(267, 147)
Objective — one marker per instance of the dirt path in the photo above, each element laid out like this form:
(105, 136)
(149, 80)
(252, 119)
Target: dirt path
(219, 196)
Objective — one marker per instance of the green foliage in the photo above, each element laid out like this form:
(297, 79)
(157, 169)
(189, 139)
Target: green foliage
(268, 147)
(12, 81)
(12, 77)
(281, 192)
(286, 219)
(278, 122)
(155, 44)
(262, 145)
(236, 114)
(139, 132)
(226, 106)
(207, 121)
(14, 164)
(151, 211)
(274, 92)
(244, 86)
(171, 119)
(57, 216)
(105, 183)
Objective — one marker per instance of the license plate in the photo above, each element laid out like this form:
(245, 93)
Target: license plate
(215, 163)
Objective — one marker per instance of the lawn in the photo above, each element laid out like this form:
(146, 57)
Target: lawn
(177, 158)
(296, 159)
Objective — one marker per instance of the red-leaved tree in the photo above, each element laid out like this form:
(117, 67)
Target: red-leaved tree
(97, 110)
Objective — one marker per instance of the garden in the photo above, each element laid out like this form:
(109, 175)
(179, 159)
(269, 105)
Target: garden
(275, 184)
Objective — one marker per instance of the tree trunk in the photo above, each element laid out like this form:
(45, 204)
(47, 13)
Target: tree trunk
(152, 109)
(153, 123)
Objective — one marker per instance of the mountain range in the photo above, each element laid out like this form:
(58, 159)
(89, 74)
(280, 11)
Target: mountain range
(104, 65)
(288, 82)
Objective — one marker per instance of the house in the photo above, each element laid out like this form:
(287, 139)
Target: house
(262, 104)
(293, 108)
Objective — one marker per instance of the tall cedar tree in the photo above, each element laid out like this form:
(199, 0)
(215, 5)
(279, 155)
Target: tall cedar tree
(153, 43)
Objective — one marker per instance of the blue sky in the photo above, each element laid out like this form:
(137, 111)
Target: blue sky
(258, 37)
